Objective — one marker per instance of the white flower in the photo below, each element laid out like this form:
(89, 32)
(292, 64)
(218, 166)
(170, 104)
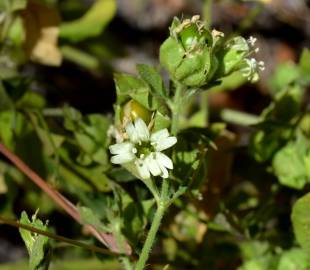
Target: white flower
(141, 152)
(251, 69)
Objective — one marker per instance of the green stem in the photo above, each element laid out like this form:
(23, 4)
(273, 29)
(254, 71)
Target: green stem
(207, 12)
(152, 188)
(150, 237)
(176, 107)
(161, 207)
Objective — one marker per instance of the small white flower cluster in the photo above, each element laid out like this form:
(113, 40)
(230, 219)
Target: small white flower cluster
(251, 68)
(141, 152)
(251, 65)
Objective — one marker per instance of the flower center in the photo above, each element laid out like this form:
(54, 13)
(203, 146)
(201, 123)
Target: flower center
(143, 149)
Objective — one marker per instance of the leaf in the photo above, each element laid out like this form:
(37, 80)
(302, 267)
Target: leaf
(128, 86)
(16, 87)
(16, 32)
(94, 174)
(3, 186)
(5, 101)
(301, 221)
(135, 218)
(161, 121)
(290, 163)
(13, 5)
(304, 65)
(51, 141)
(91, 24)
(152, 77)
(18, 4)
(13, 126)
(37, 245)
(284, 75)
(295, 258)
(89, 217)
(31, 100)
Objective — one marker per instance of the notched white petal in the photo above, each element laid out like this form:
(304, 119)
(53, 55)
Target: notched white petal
(132, 133)
(142, 130)
(159, 135)
(152, 165)
(120, 148)
(142, 169)
(123, 158)
(164, 161)
(164, 172)
(165, 143)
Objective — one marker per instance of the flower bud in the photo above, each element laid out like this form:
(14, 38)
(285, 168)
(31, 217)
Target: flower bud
(188, 53)
(133, 110)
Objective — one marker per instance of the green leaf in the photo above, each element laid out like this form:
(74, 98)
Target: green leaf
(152, 77)
(13, 5)
(31, 100)
(89, 217)
(18, 4)
(94, 174)
(161, 121)
(135, 218)
(51, 141)
(295, 258)
(13, 126)
(266, 262)
(128, 86)
(284, 75)
(186, 154)
(37, 245)
(301, 221)
(5, 101)
(91, 24)
(304, 65)
(290, 163)
(286, 105)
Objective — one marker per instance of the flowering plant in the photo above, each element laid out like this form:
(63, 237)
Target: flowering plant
(159, 160)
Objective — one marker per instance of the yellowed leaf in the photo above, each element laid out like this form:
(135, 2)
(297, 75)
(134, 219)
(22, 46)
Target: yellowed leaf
(3, 186)
(42, 32)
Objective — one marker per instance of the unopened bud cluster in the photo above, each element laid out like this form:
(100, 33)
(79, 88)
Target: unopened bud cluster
(196, 56)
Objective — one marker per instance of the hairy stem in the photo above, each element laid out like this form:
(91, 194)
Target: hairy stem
(150, 237)
(161, 207)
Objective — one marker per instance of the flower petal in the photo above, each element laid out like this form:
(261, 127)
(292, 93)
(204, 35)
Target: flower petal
(132, 132)
(142, 130)
(165, 143)
(164, 161)
(121, 148)
(159, 135)
(152, 165)
(123, 158)
(164, 172)
(142, 169)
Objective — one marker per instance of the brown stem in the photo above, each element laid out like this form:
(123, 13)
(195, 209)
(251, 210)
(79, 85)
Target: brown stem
(55, 236)
(107, 239)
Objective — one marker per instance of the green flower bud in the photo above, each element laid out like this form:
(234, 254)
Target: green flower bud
(133, 110)
(188, 54)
